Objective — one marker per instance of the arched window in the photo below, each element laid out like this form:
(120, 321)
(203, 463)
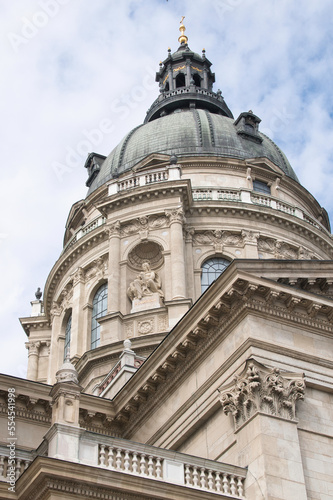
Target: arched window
(68, 335)
(180, 80)
(166, 88)
(211, 269)
(197, 80)
(99, 310)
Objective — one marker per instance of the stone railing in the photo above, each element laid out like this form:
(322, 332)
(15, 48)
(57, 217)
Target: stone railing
(21, 462)
(245, 196)
(172, 467)
(91, 226)
(148, 177)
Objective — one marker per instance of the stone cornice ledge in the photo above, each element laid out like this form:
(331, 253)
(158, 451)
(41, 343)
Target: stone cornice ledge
(233, 287)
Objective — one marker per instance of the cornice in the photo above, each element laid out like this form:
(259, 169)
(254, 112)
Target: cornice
(149, 192)
(188, 346)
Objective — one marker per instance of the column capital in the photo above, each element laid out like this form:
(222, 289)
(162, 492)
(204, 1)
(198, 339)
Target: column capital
(113, 229)
(262, 389)
(175, 215)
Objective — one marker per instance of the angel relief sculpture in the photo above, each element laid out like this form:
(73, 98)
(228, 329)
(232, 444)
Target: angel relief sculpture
(146, 283)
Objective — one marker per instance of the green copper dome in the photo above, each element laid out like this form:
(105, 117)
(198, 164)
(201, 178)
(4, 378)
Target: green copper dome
(188, 118)
(186, 133)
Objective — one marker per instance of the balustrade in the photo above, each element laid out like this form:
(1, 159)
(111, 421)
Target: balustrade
(20, 465)
(153, 466)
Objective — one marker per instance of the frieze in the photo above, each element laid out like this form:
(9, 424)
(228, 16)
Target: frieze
(217, 237)
(144, 225)
(98, 269)
(282, 250)
(260, 389)
(250, 236)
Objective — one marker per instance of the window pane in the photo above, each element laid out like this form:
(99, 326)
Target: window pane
(100, 304)
(211, 270)
(68, 335)
(261, 187)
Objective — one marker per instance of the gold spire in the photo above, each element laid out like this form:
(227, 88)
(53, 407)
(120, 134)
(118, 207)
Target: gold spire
(183, 38)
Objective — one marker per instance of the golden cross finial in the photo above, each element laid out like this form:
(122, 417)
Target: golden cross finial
(183, 38)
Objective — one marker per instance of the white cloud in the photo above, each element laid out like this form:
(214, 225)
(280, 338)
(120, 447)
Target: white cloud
(58, 85)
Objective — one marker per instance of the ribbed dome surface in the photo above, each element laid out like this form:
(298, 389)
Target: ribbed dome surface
(186, 133)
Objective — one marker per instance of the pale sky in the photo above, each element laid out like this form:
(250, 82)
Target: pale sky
(69, 65)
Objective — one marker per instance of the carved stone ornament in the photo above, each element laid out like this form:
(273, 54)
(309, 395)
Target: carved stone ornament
(250, 236)
(217, 237)
(98, 268)
(146, 283)
(145, 223)
(113, 229)
(175, 215)
(282, 250)
(260, 389)
(67, 372)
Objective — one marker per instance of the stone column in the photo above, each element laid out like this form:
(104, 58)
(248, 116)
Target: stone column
(171, 86)
(77, 345)
(33, 357)
(205, 78)
(114, 268)
(262, 402)
(178, 285)
(189, 231)
(188, 73)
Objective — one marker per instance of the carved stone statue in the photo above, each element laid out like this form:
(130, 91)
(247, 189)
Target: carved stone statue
(146, 283)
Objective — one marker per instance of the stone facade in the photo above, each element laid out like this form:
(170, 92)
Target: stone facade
(133, 372)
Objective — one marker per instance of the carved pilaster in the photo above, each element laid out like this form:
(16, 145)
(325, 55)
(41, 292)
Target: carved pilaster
(261, 389)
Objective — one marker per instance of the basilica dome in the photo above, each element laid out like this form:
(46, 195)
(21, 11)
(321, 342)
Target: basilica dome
(188, 119)
(185, 132)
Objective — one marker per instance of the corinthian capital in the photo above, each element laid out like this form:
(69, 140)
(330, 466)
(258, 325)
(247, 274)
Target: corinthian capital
(33, 348)
(262, 389)
(113, 229)
(175, 215)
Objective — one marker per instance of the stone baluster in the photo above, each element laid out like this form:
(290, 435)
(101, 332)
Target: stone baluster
(2, 465)
(18, 468)
(126, 461)
(202, 478)
(195, 477)
(150, 466)
(217, 482)
(210, 480)
(187, 475)
(240, 489)
(232, 485)
(118, 459)
(225, 483)
(143, 465)
(158, 469)
(110, 458)
(102, 455)
(135, 463)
